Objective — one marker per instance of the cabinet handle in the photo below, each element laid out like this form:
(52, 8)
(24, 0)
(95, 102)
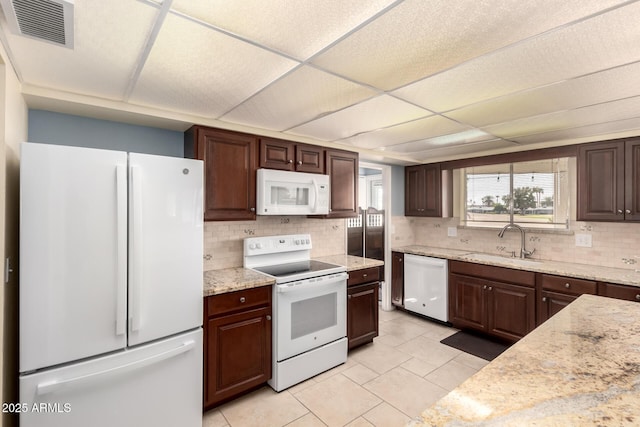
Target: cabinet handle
(638, 297)
(364, 276)
(242, 299)
(299, 162)
(268, 317)
(490, 288)
(484, 287)
(252, 209)
(566, 285)
(619, 211)
(627, 211)
(349, 296)
(544, 299)
(290, 160)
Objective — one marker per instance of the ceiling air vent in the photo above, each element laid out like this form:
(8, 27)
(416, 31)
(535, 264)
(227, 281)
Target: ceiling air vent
(48, 20)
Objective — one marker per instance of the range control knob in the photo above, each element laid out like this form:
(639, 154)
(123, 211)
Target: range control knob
(259, 245)
(252, 245)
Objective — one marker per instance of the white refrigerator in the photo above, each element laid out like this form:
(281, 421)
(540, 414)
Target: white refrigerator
(110, 288)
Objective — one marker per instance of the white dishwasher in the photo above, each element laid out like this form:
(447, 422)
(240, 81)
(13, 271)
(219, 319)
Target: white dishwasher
(425, 286)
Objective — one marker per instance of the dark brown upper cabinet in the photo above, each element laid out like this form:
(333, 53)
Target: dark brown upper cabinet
(609, 181)
(423, 191)
(230, 164)
(342, 168)
(290, 156)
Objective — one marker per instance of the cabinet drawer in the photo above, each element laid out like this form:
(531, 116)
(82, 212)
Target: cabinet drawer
(363, 276)
(630, 293)
(500, 274)
(238, 300)
(568, 285)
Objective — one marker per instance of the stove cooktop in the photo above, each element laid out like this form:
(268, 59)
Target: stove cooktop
(299, 270)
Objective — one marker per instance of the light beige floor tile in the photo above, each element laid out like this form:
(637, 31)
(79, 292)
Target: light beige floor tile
(333, 371)
(471, 361)
(406, 391)
(308, 420)
(360, 422)
(429, 350)
(213, 418)
(360, 374)
(403, 329)
(451, 374)
(438, 332)
(381, 358)
(385, 316)
(386, 415)
(419, 367)
(301, 386)
(390, 339)
(263, 407)
(337, 400)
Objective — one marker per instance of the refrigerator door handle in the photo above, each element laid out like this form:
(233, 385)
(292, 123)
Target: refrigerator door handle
(121, 257)
(135, 268)
(52, 386)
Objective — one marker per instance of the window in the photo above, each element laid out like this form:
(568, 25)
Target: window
(534, 194)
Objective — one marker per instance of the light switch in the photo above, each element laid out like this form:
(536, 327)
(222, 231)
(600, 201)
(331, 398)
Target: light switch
(583, 240)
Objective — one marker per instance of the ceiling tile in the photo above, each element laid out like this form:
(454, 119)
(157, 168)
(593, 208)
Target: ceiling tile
(419, 38)
(441, 141)
(593, 132)
(592, 89)
(302, 95)
(197, 70)
(602, 42)
(297, 28)
(428, 127)
(601, 113)
(379, 112)
(469, 150)
(109, 36)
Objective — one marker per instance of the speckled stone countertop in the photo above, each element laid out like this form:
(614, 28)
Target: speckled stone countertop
(351, 262)
(581, 271)
(238, 278)
(581, 367)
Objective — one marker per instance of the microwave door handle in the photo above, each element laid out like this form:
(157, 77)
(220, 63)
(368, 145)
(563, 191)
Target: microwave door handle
(315, 198)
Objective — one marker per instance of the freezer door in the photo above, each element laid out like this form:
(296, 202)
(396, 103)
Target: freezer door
(73, 253)
(165, 246)
(158, 384)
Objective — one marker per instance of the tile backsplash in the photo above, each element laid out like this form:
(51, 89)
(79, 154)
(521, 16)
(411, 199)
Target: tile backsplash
(613, 244)
(223, 239)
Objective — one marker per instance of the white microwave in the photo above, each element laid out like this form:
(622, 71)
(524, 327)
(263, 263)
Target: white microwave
(292, 193)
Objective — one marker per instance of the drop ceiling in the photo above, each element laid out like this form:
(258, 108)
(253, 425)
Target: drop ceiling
(400, 81)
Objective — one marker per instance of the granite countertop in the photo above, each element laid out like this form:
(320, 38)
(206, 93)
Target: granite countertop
(581, 367)
(238, 278)
(622, 276)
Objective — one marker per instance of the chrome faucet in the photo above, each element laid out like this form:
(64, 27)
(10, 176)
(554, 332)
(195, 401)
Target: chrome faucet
(523, 252)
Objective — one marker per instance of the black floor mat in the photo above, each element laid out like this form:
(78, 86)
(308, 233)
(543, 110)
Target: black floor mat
(476, 345)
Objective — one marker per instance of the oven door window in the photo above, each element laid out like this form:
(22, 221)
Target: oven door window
(313, 315)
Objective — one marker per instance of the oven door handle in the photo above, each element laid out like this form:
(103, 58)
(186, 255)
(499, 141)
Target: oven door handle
(339, 277)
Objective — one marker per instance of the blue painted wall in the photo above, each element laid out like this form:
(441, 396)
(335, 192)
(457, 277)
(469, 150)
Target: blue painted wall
(64, 129)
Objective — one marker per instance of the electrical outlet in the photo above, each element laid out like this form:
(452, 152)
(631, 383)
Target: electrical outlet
(583, 240)
(452, 231)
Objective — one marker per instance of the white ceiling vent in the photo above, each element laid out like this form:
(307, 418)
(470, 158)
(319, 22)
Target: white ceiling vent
(48, 20)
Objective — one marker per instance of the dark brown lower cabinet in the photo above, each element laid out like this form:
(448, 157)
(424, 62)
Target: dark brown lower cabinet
(556, 292)
(551, 303)
(629, 293)
(237, 350)
(362, 306)
(479, 302)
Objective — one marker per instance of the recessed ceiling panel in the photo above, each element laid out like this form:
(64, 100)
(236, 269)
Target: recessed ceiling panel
(419, 38)
(429, 127)
(591, 132)
(601, 113)
(454, 140)
(468, 150)
(304, 94)
(104, 54)
(297, 28)
(197, 70)
(375, 113)
(592, 89)
(602, 42)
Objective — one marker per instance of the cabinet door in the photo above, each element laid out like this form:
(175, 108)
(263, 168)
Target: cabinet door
(629, 293)
(362, 313)
(467, 303)
(342, 167)
(238, 354)
(276, 154)
(230, 174)
(397, 278)
(601, 182)
(423, 191)
(632, 183)
(309, 158)
(551, 303)
(511, 308)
